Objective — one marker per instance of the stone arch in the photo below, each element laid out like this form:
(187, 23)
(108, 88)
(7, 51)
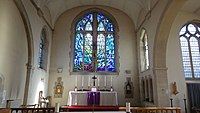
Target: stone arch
(29, 36)
(160, 45)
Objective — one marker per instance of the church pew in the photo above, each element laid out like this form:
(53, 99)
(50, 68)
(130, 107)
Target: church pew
(152, 109)
(93, 108)
(98, 108)
(4, 110)
(32, 110)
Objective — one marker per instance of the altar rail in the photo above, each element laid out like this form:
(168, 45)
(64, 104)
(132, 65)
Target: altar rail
(133, 110)
(152, 109)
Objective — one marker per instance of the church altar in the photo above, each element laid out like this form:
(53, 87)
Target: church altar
(82, 98)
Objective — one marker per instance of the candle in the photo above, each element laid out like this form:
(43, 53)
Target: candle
(98, 81)
(57, 106)
(82, 81)
(88, 81)
(105, 81)
(111, 81)
(127, 107)
(76, 81)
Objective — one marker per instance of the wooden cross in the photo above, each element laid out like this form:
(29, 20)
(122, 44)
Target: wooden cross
(94, 77)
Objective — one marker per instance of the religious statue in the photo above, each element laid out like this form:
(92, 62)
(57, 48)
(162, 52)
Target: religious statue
(128, 88)
(42, 100)
(174, 88)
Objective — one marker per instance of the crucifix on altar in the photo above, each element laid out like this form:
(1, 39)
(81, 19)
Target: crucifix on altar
(94, 78)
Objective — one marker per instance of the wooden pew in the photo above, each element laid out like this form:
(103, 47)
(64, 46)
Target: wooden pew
(67, 109)
(152, 109)
(4, 110)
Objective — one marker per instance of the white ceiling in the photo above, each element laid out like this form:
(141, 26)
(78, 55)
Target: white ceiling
(131, 7)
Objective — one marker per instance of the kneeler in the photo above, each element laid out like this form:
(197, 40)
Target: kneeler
(93, 98)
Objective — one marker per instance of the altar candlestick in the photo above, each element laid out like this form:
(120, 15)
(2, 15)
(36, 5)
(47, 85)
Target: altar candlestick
(98, 81)
(111, 80)
(76, 81)
(128, 107)
(88, 81)
(57, 107)
(82, 81)
(105, 81)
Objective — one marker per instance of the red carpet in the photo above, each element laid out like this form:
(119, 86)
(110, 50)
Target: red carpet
(93, 108)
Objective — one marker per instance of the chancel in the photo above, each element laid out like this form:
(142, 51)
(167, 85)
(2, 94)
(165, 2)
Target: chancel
(100, 53)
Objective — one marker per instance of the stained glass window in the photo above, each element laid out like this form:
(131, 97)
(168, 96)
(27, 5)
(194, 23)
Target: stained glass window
(43, 51)
(144, 51)
(190, 40)
(94, 44)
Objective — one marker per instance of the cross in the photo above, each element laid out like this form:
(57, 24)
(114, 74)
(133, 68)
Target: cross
(94, 77)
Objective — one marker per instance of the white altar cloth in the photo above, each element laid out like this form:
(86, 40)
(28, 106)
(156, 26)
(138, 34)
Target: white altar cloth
(107, 98)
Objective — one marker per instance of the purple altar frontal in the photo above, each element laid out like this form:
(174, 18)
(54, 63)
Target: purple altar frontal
(93, 98)
(85, 98)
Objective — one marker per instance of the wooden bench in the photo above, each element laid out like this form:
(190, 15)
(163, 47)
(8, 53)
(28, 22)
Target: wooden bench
(4, 110)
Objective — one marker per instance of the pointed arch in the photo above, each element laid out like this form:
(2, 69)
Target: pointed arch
(160, 45)
(29, 36)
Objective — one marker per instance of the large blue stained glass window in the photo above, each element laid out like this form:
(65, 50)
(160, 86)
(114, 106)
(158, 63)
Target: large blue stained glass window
(101, 52)
(110, 52)
(78, 51)
(94, 45)
(190, 48)
(88, 52)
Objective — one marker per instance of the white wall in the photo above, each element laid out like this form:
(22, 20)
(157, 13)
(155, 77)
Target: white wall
(13, 51)
(61, 48)
(174, 58)
(39, 77)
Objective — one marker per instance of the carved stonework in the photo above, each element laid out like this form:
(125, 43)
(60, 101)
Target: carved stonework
(58, 89)
(128, 89)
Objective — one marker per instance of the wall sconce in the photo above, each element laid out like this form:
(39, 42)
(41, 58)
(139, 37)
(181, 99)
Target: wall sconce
(60, 70)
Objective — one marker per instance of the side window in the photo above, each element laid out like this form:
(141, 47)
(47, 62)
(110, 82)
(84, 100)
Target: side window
(190, 40)
(43, 50)
(144, 51)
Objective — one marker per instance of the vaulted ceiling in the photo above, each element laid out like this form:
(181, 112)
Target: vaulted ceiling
(132, 8)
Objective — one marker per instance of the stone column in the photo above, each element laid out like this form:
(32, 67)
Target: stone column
(27, 84)
(161, 93)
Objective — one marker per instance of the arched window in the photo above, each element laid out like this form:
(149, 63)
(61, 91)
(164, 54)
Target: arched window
(94, 39)
(43, 50)
(144, 51)
(190, 47)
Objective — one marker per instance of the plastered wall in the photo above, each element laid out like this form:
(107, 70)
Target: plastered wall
(61, 48)
(13, 53)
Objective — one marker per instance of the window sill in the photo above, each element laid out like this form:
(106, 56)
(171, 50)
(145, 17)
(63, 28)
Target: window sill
(94, 73)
